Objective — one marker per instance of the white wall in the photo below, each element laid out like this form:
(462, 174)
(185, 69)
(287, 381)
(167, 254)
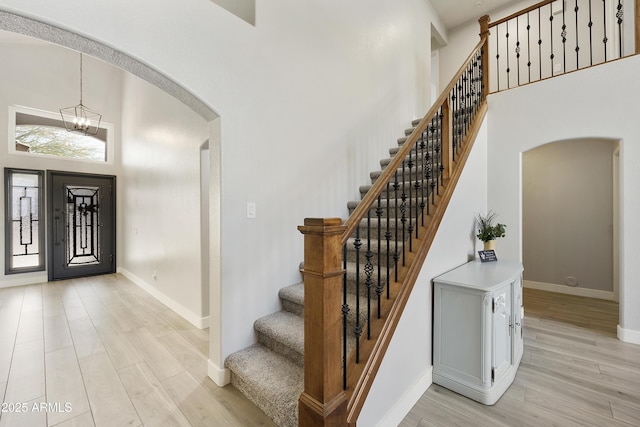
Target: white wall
(576, 105)
(567, 214)
(310, 99)
(406, 370)
(46, 77)
(160, 197)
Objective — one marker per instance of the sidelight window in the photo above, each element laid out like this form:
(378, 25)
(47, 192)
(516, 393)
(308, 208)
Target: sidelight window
(24, 230)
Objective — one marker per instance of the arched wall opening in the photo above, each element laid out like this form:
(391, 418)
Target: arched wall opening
(110, 55)
(569, 217)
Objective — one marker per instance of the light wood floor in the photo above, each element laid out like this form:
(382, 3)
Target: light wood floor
(100, 351)
(574, 372)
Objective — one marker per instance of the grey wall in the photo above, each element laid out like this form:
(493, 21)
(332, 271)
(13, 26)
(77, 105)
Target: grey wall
(567, 213)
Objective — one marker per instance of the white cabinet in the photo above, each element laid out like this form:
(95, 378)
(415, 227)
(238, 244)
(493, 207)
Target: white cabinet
(477, 328)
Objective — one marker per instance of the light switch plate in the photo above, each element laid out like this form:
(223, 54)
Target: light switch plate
(251, 210)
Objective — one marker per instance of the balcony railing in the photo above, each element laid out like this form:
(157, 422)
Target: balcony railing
(555, 37)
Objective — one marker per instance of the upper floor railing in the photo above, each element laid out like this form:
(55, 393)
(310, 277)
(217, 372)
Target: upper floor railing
(554, 37)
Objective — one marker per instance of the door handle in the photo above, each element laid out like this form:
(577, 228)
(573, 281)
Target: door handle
(55, 231)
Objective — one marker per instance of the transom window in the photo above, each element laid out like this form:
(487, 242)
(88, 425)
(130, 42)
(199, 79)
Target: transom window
(42, 133)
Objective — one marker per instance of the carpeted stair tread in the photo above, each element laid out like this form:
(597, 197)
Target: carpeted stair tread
(269, 380)
(282, 332)
(292, 298)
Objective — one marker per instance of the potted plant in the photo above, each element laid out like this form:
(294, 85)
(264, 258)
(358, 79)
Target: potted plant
(487, 231)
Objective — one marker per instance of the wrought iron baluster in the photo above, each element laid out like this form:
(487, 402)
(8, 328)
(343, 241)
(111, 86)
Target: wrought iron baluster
(422, 175)
(416, 186)
(590, 25)
(619, 15)
(403, 211)
(379, 285)
(540, 41)
(564, 38)
(387, 236)
(518, 47)
(604, 22)
(508, 63)
(498, 57)
(429, 171)
(410, 227)
(396, 254)
(529, 47)
(576, 9)
(551, 35)
(454, 115)
(439, 154)
(358, 328)
(368, 271)
(345, 314)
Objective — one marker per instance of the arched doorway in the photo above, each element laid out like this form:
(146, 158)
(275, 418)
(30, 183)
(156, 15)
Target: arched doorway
(569, 212)
(29, 27)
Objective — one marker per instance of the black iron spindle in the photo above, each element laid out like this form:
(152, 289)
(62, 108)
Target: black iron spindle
(387, 236)
(358, 328)
(604, 26)
(403, 212)
(396, 254)
(422, 175)
(429, 172)
(439, 162)
(540, 41)
(551, 35)
(590, 25)
(345, 314)
(508, 63)
(529, 47)
(416, 187)
(564, 37)
(518, 47)
(410, 227)
(379, 285)
(576, 9)
(498, 57)
(368, 271)
(619, 15)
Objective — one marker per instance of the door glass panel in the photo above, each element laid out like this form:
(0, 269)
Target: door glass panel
(82, 224)
(24, 236)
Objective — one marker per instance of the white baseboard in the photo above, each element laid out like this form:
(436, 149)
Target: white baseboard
(220, 376)
(395, 416)
(628, 335)
(188, 315)
(561, 289)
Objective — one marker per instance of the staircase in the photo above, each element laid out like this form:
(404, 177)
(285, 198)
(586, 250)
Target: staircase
(270, 373)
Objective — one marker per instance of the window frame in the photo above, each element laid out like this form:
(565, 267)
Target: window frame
(8, 235)
(14, 109)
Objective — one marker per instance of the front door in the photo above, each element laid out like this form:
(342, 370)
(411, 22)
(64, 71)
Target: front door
(82, 225)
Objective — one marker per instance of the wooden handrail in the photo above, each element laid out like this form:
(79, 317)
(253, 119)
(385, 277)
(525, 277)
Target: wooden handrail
(521, 12)
(369, 199)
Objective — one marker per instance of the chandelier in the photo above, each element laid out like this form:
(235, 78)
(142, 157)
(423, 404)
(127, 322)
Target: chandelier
(80, 118)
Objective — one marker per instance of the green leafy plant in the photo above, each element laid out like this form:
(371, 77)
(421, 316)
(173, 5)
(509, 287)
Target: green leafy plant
(486, 228)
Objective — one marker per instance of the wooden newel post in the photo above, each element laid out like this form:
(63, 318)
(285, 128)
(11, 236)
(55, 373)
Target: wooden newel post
(323, 401)
(484, 32)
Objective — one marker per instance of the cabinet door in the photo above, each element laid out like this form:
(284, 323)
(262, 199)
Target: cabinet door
(502, 339)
